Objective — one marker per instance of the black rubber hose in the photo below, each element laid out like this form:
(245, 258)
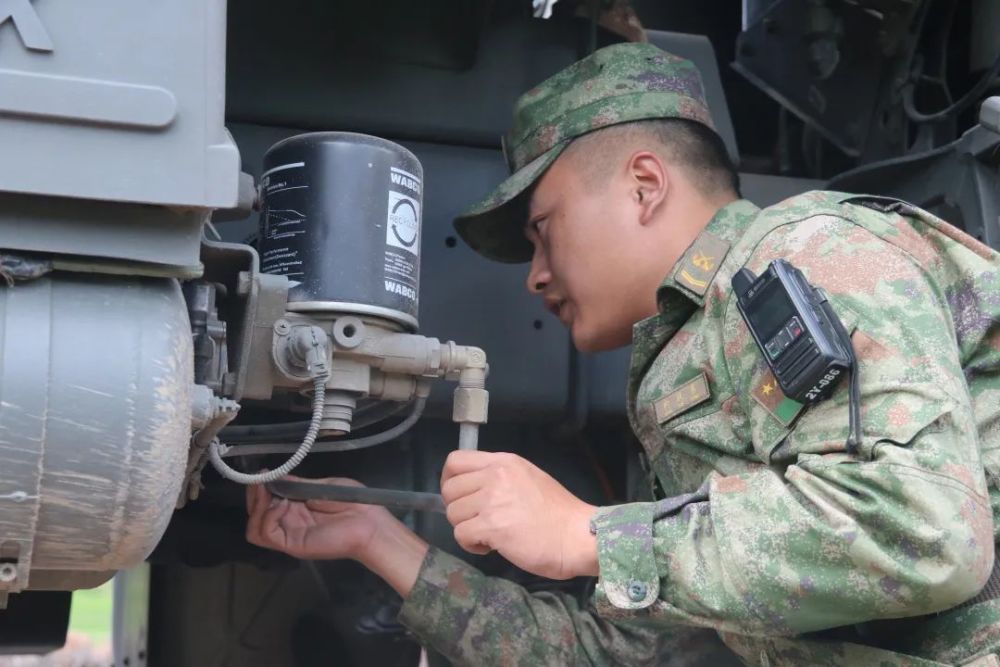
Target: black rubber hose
(971, 97)
(391, 498)
(249, 433)
(341, 445)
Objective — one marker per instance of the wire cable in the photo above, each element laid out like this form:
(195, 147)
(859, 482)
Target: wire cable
(215, 449)
(854, 398)
(854, 392)
(971, 97)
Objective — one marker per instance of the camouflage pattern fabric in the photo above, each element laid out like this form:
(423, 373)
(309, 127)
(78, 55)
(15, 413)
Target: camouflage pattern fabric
(769, 531)
(616, 84)
(477, 620)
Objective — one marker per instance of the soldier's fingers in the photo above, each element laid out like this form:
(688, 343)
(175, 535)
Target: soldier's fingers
(272, 534)
(339, 481)
(264, 498)
(463, 485)
(465, 508)
(262, 501)
(470, 537)
(329, 506)
(462, 461)
(256, 495)
(253, 521)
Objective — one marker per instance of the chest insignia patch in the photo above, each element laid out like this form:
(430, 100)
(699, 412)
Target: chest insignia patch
(768, 393)
(691, 393)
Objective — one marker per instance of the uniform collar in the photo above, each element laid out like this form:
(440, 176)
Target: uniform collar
(683, 290)
(694, 272)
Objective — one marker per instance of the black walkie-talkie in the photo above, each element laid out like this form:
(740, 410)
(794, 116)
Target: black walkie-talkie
(802, 339)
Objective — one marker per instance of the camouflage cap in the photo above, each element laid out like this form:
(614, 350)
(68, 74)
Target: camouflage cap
(616, 84)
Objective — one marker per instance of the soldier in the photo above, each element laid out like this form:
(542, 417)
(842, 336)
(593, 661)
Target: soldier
(766, 526)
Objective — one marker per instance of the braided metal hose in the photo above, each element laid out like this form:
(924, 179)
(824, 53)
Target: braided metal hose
(215, 450)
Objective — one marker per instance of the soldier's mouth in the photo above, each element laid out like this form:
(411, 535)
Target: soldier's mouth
(556, 307)
(565, 313)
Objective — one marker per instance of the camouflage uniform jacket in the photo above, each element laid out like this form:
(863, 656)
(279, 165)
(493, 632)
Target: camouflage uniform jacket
(768, 530)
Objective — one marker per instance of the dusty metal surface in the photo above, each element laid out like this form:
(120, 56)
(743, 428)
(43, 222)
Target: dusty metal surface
(23, 416)
(95, 401)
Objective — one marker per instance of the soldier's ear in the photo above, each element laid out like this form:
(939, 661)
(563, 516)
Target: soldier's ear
(649, 183)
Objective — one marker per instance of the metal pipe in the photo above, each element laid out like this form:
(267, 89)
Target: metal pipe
(393, 499)
(468, 436)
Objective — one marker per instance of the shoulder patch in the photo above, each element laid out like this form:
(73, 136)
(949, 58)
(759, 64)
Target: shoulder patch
(768, 393)
(701, 262)
(691, 393)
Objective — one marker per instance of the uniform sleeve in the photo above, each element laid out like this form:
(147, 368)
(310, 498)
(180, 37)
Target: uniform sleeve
(477, 620)
(814, 536)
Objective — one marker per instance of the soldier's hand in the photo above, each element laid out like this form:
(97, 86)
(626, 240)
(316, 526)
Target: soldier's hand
(315, 529)
(504, 503)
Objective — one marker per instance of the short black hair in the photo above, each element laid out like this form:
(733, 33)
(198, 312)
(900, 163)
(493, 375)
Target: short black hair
(686, 143)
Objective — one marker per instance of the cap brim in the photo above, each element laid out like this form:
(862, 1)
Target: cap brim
(495, 227)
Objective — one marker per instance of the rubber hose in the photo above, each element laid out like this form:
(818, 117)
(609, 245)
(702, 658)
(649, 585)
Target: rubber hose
(339, 445)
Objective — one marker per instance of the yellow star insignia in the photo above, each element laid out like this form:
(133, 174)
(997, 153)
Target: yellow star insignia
(767, 389)
(703, 262)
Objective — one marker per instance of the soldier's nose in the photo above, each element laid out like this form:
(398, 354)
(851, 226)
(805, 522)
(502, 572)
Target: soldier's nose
(538, 275)
(536, 284)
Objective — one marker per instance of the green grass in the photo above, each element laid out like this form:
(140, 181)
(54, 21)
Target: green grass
(90, 613)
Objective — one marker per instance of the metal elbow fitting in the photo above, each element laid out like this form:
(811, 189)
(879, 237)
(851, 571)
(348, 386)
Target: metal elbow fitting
(471, 401)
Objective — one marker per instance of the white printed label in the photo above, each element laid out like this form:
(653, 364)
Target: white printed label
(284, 229)
(402, 228)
